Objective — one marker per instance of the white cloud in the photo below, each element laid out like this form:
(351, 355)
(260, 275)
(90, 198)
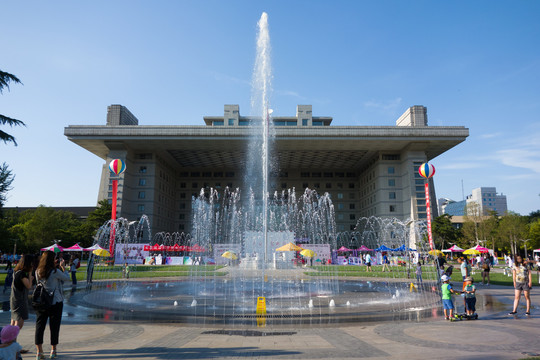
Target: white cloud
(489, 136)
(527, 158)
(384, 105)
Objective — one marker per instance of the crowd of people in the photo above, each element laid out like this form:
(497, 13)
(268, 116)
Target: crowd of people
(51, 271)
(521, 277)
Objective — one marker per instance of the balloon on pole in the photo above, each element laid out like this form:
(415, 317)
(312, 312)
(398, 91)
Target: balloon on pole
(427, 171)
(117, 167)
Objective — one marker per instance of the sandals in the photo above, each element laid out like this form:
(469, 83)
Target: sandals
(53, 354)
(40, 356)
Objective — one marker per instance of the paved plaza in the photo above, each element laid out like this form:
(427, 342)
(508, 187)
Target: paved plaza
(494, 336)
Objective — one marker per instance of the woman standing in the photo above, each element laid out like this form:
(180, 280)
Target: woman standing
(52, 273)
(522, 282)
(22, 282)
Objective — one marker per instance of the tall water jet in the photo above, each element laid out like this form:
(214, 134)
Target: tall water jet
(260, 104)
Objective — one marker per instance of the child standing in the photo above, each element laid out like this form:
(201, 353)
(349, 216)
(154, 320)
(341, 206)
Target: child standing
(470, 296)
(10, 349)
(448, 304)
(419, 273)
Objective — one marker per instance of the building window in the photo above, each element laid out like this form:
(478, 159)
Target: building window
(352, 227)
(283, 185)
(231, 122)
(207, 174)
(304, 122)
(140, 208)
(304, 185)
(391, 170)
(340, 185)
(183, 185)
(340, 206)
(328, 185)
(218, 123)
(304, 174)
(352, 217)
(229, 174)
(182, 195)
(392, 195)
(391, 182)
(181, 216)
(340, 195)
(419, 188)
(182, 205)
(194, 185)
(218, 174)
(316, 174)
(142, 169)
(328, 174)
(142, 194)
(317, 123)
(340, 216)
(142, 182)
(351, 206)
(392, 208)
(243, 122)
(316, 185)
(351, 185)
(195, 174)
(390, 157)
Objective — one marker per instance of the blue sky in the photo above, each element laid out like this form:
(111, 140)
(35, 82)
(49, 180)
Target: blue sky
(471, 63)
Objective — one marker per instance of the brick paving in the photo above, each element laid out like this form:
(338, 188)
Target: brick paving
(495, 336)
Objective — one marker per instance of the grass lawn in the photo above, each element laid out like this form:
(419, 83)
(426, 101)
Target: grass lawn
(428, 273)
(141, 271)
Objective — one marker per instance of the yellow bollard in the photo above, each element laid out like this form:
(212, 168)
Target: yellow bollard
(261, 312)
(413, 287)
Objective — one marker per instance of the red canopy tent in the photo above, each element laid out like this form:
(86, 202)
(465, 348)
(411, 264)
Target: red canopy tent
(364, 248)
(75, 247)
(343, 248)
(197, 248)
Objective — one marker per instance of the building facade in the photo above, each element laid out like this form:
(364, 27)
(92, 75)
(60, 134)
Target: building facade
(485, 200)
(367, 170)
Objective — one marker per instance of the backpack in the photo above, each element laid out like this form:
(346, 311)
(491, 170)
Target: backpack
(42, 299)
(78, 264)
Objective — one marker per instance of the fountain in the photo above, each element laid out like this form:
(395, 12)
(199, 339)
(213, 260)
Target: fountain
(250, 227)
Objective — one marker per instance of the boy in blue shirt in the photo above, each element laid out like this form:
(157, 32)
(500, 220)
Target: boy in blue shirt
(448, 304)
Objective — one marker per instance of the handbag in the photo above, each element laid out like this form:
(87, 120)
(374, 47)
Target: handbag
(42, 299)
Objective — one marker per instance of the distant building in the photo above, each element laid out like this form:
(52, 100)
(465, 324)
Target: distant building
(486, 198)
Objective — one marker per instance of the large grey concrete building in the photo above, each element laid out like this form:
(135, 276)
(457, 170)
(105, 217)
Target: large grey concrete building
(367, 170)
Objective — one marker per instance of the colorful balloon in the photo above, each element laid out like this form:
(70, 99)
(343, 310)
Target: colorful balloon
(117, 166)
(426, 170)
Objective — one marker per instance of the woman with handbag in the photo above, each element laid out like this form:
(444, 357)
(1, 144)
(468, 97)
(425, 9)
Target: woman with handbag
(51, 272)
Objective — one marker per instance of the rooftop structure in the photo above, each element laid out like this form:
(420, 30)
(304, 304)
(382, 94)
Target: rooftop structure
(367, 170)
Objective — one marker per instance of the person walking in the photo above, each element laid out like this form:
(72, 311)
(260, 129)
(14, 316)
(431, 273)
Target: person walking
(52, 273)
(522, 283)
(9, 277)
(368, 262)
(385, 262)
(485, 270)
(73, 266)
(419, 273)
(22, 282)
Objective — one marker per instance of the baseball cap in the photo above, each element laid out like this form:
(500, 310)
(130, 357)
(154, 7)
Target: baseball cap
(445, 278)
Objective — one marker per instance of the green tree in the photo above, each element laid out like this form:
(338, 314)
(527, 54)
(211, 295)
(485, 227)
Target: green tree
(6, 178)
(513, 229)
(444, 231)
(5, 79)
(7, 238)
(534, 234)
(95, 220)
(40, 227)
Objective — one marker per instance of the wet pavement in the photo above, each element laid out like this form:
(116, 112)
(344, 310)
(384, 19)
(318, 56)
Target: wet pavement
(495, 336)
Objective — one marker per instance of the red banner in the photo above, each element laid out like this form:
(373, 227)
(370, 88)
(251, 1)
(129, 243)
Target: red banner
(428, 210)
(113, 216)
